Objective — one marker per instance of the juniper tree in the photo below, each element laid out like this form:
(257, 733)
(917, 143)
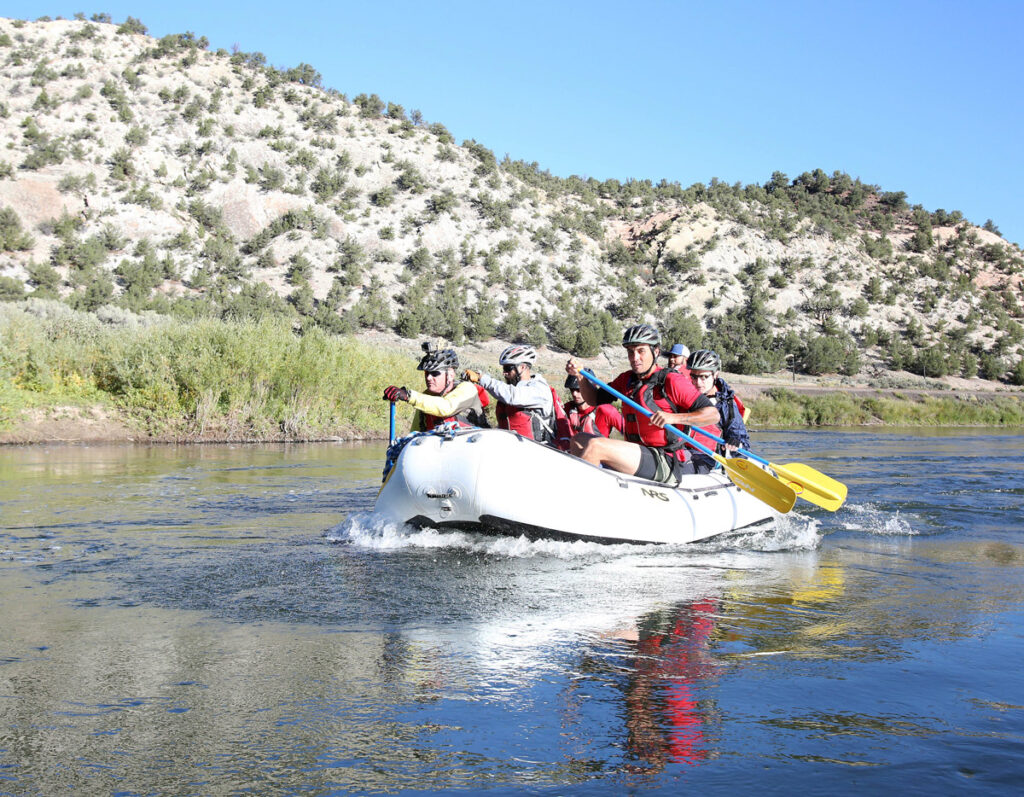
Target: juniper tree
(12, 237)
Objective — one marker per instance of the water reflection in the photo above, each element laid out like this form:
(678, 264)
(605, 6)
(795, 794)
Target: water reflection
(180, 624)
(664, 716)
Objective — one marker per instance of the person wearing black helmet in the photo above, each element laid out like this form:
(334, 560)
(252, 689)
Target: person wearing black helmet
(588, 418)
(648, 451)
(446, 397)
(704, 366)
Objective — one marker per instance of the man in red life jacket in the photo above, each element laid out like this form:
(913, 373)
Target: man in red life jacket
(446, 398)
(648, 450)
(587, 418)
(526, 402)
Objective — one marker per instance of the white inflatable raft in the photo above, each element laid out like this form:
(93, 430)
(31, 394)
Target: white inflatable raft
(495, 481)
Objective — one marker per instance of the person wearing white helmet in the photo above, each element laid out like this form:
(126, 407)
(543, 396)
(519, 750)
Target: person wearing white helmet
(526, 402)
(648, 451)
(446, 397)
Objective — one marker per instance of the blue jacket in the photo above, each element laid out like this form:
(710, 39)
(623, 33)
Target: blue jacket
(734, 431)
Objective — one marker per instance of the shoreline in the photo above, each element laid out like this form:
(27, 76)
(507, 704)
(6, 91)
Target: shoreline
(857, 408)
(259, 382)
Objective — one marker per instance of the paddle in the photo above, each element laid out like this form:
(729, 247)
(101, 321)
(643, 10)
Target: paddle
(748, 477)
(391, 428)
(808, 483)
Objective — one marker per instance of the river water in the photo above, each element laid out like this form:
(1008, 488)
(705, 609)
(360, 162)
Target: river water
(226, 619)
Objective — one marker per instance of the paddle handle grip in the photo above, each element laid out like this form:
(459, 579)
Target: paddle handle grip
(647, 413)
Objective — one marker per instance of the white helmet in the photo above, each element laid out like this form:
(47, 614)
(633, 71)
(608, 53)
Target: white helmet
(518, 354)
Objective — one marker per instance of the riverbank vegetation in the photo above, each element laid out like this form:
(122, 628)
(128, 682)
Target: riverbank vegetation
(780, 407)
(269, 380)
(208, 379)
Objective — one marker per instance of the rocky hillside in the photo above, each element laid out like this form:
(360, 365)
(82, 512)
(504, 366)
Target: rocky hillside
(143, 174)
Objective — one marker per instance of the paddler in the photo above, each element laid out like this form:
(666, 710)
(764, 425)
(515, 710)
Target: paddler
(446, 397)
(676, 357)
(527, 404)
(704, 366)
(648, 450)
(585, 417)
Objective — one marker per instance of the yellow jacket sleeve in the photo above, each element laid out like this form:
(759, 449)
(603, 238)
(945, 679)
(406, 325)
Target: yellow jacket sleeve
(460, 397)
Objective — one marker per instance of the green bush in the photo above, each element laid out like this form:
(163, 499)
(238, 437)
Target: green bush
(225, 380)
(830, 354)
(779, 407)
(12, 237)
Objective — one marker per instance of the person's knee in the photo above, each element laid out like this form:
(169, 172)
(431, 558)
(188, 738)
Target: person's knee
(580, 444)
(602, 451)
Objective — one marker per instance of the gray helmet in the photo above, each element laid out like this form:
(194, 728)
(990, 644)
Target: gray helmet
(641, 333)
(518, 354)
(704, 360)
(437, 359)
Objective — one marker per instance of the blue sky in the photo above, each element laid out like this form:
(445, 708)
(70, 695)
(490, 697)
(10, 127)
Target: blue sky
(921, 97)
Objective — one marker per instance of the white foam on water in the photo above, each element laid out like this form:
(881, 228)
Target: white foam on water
(872, 520)
(791, 532)
(369, 530)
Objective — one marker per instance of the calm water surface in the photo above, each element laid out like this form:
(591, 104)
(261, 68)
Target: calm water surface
(220, 620)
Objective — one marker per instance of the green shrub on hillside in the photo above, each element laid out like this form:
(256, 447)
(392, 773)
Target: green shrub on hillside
(12, 237)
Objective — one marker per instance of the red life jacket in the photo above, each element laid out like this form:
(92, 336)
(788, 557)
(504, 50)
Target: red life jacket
(581, 420)
(651, 395)
(471, 416)
(739, 406)
(530, 423)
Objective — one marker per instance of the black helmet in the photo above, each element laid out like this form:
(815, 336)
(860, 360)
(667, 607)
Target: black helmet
(641, 333)
(437, 359)
(704, 360)
(572, 382)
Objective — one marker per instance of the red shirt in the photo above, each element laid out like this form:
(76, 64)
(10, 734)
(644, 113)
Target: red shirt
(676, 395)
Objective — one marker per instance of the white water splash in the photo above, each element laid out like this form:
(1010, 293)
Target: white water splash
(791, 532)
(368, 530)
(872, 520)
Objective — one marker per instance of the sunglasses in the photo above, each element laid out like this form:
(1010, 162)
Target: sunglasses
(508, 368)
(434, 374)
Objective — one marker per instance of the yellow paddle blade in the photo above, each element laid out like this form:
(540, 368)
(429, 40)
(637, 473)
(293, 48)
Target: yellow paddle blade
(759, 483)
(812, 485)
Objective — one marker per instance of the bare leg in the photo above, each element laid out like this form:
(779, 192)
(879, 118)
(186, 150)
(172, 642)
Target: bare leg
(579, 443)
(615, 454)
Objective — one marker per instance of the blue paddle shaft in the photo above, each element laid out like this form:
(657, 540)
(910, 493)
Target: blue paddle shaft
(391, 428)
(743, 451)
(644, 411)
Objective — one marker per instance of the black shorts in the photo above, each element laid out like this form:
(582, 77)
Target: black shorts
(658, 466)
